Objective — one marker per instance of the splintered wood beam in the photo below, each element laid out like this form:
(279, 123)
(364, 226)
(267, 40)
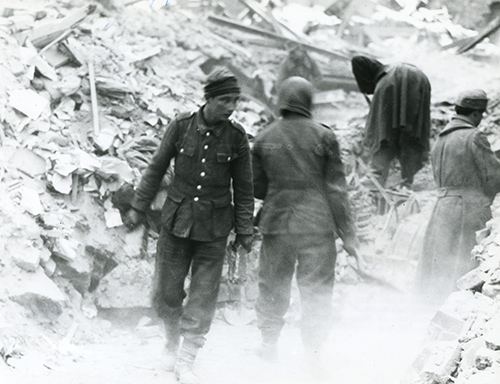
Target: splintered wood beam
(93, 98)
(269, 18)
(492, 27)
(42, 35)
(256, 31)
(260, 12)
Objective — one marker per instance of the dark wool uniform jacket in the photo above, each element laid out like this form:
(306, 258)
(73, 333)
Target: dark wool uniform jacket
(299, 174)
(208, 162)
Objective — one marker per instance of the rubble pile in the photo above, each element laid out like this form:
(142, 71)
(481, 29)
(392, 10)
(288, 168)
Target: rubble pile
(491, 123)
(86, 94)
(468, 13)
(465, 332)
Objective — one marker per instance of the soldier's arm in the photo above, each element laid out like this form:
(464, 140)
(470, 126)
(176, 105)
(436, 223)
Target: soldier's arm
(153, 175)
(241, 173)
(336, 189)
(260, 181)
(487, 163)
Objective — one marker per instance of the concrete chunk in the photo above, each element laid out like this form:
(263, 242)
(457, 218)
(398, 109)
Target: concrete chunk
(472, 280)
(38, 293)
(27, 258)
(492, 338)
(28, 162)
(491, 290)
(65, 249)
(439, 360)
(28, 102)
(49, 266)
(446, 326)
(77, 272)
(469, 353)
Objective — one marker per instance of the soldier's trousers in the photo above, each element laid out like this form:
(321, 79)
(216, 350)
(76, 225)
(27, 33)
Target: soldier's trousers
(174, 258)
(408, 151)
(313, 257)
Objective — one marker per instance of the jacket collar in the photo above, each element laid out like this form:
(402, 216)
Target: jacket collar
(457, 122)
(203, 127)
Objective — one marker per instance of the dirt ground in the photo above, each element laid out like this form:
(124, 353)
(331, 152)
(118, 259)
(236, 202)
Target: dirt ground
(376, 334)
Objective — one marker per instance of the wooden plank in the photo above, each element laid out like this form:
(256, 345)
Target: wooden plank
(328, 82)
(61, 37)
(74, 187)
(269, 18)
(261, 13)
(231, 46)
(492, 27)
(55, 58)
(256, 31)
(93, 98)
(457, 43)
(76, 50)
(42, 35)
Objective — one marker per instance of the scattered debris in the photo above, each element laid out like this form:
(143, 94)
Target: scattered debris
(37, 293)
(28, 102)
(469, 320)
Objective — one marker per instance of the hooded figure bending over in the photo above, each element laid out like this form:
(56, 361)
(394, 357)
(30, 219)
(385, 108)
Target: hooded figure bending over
(299, 174)
(399, 122)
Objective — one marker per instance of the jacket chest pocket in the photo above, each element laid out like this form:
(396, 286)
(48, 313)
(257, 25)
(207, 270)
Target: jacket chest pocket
(185, 157)
(225, 155)
(185, 149)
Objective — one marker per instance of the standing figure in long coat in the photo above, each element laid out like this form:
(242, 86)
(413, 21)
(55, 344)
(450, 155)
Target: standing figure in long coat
(468, 175)
(399, 120)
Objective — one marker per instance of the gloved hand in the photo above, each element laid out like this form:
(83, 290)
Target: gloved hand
(133, 218)
(245, 241)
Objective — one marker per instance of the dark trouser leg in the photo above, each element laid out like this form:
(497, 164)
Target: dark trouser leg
(206, 270)
(315, 277)
(173, 258)
(381, 161)
(412, 158)
(276, 268)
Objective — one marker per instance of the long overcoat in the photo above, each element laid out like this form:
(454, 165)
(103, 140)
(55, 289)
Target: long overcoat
(468, 176)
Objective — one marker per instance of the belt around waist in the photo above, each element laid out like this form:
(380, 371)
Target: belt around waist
(460, 191)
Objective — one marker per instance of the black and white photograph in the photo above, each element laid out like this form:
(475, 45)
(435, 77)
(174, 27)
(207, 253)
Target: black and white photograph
(249, 191)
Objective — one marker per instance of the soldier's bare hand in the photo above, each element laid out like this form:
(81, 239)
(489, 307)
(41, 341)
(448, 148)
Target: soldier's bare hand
(245, 241)
(132, 218)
